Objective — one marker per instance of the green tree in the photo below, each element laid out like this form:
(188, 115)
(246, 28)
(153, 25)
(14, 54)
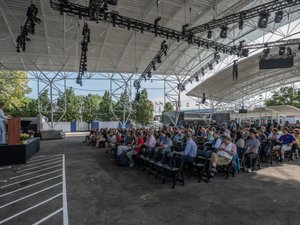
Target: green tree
(13, 89)
(123, 103)
(285, 96)
(73, 106)
(105, 113)
(45, 105)
(143, 109)
(168, 107)
(30, 108)
(90, 108)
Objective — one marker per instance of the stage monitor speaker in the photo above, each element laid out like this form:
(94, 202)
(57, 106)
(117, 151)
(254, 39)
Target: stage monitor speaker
(243, 111)
(278, 63)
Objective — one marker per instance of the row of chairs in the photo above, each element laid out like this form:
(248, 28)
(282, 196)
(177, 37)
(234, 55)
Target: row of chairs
(165, 165)
(170, 165)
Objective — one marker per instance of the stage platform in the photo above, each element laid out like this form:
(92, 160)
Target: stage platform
(18, 154)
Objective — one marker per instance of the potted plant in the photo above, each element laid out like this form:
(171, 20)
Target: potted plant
(24, 138)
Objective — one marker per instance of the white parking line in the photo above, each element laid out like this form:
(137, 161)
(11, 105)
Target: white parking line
(20, 171)
(64, 189)
(31, 164)
(27, 196)
(30, 208)
(43, 159)
(49, 216)
(20, 189)
(44, 174)
(26, 174)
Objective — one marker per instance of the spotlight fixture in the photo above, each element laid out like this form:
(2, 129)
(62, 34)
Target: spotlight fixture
(203, 98)
(245, 53)
(137, 96)
(266, 51)
(263, 20)
(210, 66)
(281, 50)
(299, 46)
(184, 27)
(241, 22)
(197, 78)
(289, 51)
(190, 80)
(209, 34)
(278, 17)
(223, 33)
(158, 59)
(149, 75)
(202, 71)
(153, 66)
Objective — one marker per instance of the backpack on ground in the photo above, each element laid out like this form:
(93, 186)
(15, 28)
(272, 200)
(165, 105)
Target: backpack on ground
(123, 160)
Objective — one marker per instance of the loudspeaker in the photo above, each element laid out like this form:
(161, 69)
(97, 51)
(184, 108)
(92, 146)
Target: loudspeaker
(276, 63)
(243, 111)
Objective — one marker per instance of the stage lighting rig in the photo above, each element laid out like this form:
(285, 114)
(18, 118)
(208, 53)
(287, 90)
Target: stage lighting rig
(279, 43)
(84, 48)
(240, 17)
(137, 25)
(28, 28)
(152, 65)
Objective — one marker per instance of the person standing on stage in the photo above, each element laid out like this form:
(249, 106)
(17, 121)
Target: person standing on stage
(2, 125)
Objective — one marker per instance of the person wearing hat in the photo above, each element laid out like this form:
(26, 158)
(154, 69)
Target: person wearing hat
(252, 147)
(2, 125)
(224, 154)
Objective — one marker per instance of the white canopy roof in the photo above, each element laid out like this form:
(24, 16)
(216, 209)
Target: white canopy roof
(56, 43)
(252, 81)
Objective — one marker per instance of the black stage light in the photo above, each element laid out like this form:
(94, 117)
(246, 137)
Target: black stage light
(266, 51)
(299, 46)
(149, 75)
(197, 78)
(241, 24)
(153, 65)
(158, 59)
(289, 51)
(263, 20)
(190, 80)
(203, 98)
(202, 71)
(223, 33)
(278, 17)
(210, 66)
(245, 52)
(281, 50)
(137, 96)
(209, 34)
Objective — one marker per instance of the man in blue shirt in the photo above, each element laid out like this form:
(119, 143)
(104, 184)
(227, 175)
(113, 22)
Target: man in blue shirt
(190, 151)
(287, 141)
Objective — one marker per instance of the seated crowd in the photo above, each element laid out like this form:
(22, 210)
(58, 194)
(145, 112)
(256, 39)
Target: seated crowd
(222, 145)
